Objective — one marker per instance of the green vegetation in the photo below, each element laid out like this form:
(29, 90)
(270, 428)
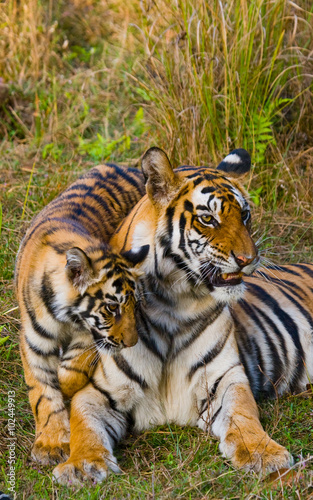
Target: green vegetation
(86, 81)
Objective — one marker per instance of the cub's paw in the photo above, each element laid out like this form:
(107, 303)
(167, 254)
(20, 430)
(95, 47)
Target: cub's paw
(49, 454)
(260, 455)
(77, 471)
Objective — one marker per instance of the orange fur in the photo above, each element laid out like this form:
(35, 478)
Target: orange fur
(73, 292)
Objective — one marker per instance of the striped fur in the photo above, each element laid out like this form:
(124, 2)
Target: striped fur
(195, 311)
(75, 295)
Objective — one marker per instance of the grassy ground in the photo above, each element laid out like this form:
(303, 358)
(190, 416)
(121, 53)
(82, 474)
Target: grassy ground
(85, 81)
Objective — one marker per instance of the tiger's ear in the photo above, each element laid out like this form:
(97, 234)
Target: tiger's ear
(79, 269)
(136, 255)
(236, 164)
(161, 182)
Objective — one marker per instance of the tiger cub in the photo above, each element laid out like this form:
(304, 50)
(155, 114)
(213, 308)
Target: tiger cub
(75, 295)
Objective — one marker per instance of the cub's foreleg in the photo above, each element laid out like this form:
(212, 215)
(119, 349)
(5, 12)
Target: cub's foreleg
(77, 365)
(96, 427)
(232, 416)
(52, 424)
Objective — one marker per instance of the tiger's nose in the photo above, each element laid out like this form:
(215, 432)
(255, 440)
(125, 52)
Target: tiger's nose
(243, 260)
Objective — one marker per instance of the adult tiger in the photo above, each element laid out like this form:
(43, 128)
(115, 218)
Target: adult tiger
(76, 294)
(186, 367)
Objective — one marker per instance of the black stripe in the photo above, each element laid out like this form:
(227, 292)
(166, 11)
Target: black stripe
(211, 354)
(74, 369)
(127, 175)
(124, 366)
(77, 345)
(105, 393)
(154, 290)
(248, 349)
(276, 365)
(289, 325)
(54, 384)
(39, 352)
(282, 269)
(181, 264)
(286, 284)
(121, 196)
(136, 210)
(77, 210)
(53, 413)
(41, 397)
(146, 338)
(47, 294)
(303, 311)
(275, 330)
(182, 242)
(111, 432)
(212, 420)
(218, 381)
(40, 330)
(198, 326)
(306, 269)
(69, 225)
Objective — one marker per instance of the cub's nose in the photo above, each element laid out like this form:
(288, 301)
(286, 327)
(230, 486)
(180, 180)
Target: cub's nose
(128, 343)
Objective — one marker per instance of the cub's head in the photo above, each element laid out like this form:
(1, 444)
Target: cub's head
(202, 240)
(103, 295)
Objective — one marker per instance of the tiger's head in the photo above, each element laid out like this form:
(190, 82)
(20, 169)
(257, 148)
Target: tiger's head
(103, 288)
(201, 225)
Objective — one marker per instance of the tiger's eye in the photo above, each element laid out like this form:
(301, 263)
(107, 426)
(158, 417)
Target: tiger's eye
(207, 220)
(245, 215)
(112, 307)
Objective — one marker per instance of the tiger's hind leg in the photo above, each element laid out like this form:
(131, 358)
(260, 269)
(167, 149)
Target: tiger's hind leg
(96, 427)
(51, 417)
(77, 365)
(232, 416)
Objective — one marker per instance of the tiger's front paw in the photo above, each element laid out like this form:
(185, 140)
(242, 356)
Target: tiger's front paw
(77, 471)
(50, 454)
(259, 453)
(52, 445)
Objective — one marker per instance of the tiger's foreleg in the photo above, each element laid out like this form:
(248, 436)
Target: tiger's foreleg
(96, 427)
(232, 416)
(77, 365)
(51, 417)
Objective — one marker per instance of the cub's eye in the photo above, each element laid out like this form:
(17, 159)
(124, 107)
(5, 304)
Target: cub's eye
(245, 216)
(207, 220)
(112, 307)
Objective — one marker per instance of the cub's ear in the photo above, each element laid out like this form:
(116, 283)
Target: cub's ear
(79, 269)
(236, 164)
(136, 255)
(161, 182)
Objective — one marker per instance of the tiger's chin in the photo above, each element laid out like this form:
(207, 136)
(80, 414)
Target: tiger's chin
(224, 287)
(107, 348)
(228, 294)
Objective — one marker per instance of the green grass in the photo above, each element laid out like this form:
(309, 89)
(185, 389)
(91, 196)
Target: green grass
(86, 82)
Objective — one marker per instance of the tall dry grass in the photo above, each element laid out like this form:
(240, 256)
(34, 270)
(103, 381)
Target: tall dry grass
(210, 76)
(219, 75)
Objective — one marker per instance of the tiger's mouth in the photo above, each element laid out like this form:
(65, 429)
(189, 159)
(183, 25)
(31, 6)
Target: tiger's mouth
(213, 276)
(226, 279)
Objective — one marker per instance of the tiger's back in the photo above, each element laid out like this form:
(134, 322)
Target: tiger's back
(94, 205)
